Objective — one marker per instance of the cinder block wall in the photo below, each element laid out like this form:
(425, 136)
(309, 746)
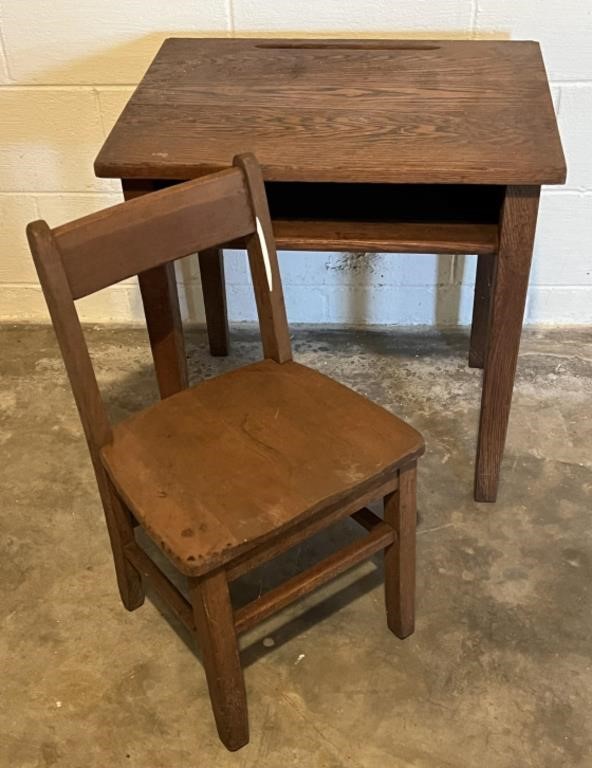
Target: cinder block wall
(68, 66)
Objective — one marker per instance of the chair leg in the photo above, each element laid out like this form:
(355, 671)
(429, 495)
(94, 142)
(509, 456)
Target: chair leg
(121, 532)
(216, 636)
(399, 557)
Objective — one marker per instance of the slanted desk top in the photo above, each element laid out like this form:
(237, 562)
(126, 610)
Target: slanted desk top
(393, 111)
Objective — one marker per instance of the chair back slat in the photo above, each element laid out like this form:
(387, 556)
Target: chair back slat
(127, 239)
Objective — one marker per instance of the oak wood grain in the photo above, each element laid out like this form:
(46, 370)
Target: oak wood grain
(450, 111)
(508, 298)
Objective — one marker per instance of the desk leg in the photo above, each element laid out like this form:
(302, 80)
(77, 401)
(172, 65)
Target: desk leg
(163, 317)
(480, 323)
(211, 268)
(508, 296)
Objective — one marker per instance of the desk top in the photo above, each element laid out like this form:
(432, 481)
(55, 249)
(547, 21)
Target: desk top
(393, 111)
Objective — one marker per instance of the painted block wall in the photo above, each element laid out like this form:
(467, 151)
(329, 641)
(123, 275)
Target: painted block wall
(67, 68)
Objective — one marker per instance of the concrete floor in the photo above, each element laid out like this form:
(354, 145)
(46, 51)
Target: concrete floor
(498, 673)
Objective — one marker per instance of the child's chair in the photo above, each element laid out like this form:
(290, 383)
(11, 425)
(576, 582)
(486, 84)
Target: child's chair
(227, 474)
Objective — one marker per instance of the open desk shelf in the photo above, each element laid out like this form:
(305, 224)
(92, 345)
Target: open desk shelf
(416, 218)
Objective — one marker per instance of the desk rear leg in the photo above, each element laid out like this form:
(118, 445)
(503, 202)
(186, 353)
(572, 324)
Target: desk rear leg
(211, 268)
(481, 304)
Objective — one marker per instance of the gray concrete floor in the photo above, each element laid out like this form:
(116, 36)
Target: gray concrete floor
(498, 673)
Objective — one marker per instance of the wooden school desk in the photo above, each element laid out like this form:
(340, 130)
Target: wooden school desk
(400, 146)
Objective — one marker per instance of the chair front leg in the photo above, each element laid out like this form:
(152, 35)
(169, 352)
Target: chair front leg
(216, 636)
(399, 557)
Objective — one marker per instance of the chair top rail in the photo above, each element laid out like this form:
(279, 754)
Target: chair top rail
(111, 245)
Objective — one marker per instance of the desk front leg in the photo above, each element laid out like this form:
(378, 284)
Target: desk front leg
(508, 297)
(160, 298)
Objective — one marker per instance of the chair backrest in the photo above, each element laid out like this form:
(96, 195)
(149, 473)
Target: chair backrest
(91, 253)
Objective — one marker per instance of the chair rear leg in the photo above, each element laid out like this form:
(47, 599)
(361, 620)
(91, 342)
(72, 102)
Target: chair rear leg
(399, 557)
(216, 636)
(121, 532)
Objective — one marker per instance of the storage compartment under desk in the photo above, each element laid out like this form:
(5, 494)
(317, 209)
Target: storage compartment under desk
(415, 218)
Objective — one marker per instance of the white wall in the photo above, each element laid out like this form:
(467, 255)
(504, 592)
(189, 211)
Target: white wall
(68, 66)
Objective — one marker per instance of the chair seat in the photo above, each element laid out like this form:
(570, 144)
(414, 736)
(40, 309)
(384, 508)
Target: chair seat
(218, 468)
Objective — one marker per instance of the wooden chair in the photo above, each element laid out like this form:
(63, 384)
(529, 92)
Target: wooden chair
(227, 474)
